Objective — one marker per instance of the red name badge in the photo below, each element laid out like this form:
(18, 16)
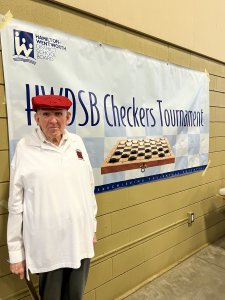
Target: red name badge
(79, 154)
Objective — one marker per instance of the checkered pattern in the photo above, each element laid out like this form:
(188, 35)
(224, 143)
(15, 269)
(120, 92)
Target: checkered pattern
(190, 150)
(189, 146)
(138, 153)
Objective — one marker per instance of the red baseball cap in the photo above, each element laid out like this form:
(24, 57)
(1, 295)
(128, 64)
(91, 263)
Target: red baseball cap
(50, 102)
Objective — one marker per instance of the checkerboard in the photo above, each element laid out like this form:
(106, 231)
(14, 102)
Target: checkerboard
(138, 153)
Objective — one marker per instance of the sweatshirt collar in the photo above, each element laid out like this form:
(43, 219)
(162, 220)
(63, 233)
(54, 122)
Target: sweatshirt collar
(44, 140)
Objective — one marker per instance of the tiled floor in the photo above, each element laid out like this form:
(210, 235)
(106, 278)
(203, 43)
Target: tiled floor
(201, 277)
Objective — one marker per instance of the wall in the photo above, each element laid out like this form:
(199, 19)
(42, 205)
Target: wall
(192, 24)
(142, 230)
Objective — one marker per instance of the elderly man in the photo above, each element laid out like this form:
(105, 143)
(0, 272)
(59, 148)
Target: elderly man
(52, 207)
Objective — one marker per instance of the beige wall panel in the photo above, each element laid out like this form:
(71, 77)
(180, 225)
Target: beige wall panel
(40, 12)
(212, 174)
(116, 200)
(12, 286)
(198, 63)
(212, 97)
(27, 298)
(223, 169)
(173, 254)
(211, 189)
(212, 113)
(217, 99)
(119, 285)
(122, 38)
(215, 68)
(25, 10)
(212, 205)
(2, 102)
(3, 226)
(220, 84)
(128, 260)
(170, 186)
(89, 296)
(4, 194)
(212, 211)
(179, 57)
(111, 201)
(4, 163)
(153, 226)
(112, 242)
(137, 255)
(212, 129)
(152, 190)
(217, 129)
(172, 238)
(153, 49)
(217, 158)
(1, 70)
(220, 114)
(215, 232)
(76, 24)
(99, 274)
(104, 226)
(149, 210)
(209, 208)
(153, 209)
(144, 213)
(189, 17)
(181, 250)
(132, 278)
(162, 221)
(116, 287)
(214, 217)
(4, 145)
(4, 265)
(212, 144)
(141, 214)
(155, 246)
(220, 143)
(212, 83)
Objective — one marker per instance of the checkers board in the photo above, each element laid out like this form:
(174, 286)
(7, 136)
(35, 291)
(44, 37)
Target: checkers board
(138, 153)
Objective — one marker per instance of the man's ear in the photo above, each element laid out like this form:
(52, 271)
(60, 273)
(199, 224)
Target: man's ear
(68, 115)
(36, 118)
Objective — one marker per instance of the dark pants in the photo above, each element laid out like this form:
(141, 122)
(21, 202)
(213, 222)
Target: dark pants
(65, 283)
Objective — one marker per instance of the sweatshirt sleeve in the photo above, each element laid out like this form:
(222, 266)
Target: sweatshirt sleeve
(93, 199)
(15, 218)
(94, 203)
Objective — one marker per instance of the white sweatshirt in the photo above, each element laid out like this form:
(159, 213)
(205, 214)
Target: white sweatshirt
(52, 206)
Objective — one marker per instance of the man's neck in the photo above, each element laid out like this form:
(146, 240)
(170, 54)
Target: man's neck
(55, 141)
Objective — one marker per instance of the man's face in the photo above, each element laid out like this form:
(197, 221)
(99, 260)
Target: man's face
(52, 122)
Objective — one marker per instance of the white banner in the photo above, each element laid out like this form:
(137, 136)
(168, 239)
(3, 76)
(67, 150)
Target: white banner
(141, 119)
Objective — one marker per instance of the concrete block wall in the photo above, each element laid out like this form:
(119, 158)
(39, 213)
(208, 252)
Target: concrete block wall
(142, 230)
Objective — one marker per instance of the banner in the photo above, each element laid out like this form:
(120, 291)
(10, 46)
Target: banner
(141, 119)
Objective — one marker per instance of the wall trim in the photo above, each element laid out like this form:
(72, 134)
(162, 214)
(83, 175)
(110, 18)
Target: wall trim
(136, 242)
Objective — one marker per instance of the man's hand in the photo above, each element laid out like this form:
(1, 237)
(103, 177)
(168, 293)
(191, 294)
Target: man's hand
(18, 268)
(94, 239)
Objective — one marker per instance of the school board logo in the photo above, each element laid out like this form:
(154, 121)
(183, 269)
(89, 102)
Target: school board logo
(23, 46)
(29, 47)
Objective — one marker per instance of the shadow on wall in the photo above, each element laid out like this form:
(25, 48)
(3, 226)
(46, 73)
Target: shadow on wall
(213, 218)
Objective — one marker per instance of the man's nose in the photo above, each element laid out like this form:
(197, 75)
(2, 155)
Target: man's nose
(53, 119)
